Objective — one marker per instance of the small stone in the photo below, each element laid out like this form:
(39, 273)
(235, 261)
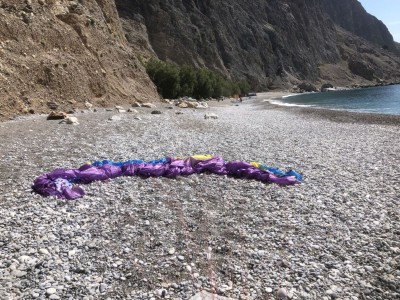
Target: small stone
(103, 287)
(24, 258)
(44, 251)
(114, 118)
(268, 290)
(72, 120)
(332, 294)
(161, 292)
(88, 105)
(369, 268)
(210, 116)
(171, 251)
(54, 297)
(181, 257)
(131, 110)
(148, 105)
(52, 105)
(18, 273)
(282, 293)
(136, 104)
(51, 291)
(156, 112)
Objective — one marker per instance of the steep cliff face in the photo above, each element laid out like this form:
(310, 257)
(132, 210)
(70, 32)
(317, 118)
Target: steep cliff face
(271, 43)
(351, 16)
(59, 54)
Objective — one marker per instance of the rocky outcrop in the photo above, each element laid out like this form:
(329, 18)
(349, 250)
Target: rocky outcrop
(360, 68)
(269, 43)
(351, 15)
(66, 53)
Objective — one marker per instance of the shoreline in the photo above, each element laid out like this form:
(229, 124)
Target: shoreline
(341, 116)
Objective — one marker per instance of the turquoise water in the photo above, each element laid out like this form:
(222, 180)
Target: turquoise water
(383, 100)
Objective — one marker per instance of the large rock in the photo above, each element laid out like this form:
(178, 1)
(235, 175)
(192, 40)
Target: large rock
(326, 86)
(183, 105)
(307, 87)
(57, 115)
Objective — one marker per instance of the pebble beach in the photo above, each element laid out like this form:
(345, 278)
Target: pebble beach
(334, 236)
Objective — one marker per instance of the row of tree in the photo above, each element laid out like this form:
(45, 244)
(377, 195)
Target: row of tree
(173, 81)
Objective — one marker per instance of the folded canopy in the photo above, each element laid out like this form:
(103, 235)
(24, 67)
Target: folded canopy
(63, 183)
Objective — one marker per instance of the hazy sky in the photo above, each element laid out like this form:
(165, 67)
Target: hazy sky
(388, 11)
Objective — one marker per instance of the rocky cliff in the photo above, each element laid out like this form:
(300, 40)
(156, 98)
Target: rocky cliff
(58, 54)
(271, 43)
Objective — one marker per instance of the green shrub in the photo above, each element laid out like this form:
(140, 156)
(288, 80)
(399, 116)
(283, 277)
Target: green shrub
(174, 81)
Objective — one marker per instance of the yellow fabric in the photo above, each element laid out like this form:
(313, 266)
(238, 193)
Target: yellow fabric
(197, 156)
(255, 164)
(202, 156)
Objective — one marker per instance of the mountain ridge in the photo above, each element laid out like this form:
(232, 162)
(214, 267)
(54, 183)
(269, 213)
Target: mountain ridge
(272, 44)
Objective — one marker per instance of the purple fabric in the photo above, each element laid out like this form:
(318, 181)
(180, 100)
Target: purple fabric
(46, 185)
(214, 165)
(61, 182)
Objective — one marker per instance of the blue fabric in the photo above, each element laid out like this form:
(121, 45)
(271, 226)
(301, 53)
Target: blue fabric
(129, 162)
(281, 173)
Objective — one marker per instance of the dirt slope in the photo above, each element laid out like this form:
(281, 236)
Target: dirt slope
(59, 54)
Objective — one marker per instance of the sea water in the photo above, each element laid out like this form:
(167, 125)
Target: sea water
(382, 100)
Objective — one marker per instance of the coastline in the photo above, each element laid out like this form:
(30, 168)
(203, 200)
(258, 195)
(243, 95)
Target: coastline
(341, 116)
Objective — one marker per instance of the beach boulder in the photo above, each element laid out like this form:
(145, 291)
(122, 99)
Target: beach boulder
(326, 86)
(307, 87)
(57, 115)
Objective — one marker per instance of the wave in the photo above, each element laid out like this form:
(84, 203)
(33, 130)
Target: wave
(280, 103)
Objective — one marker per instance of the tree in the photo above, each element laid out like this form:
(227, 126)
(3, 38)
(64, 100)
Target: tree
(165, 76)
(173, 81)
(188, 80)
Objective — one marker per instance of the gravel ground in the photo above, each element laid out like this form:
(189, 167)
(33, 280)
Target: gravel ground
(335, 236)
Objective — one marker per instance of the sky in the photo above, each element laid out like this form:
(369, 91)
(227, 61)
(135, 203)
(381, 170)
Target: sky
(388, 11)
